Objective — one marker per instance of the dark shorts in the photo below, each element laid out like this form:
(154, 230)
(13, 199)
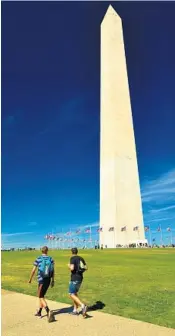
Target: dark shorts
(74, 286)
(43, 287)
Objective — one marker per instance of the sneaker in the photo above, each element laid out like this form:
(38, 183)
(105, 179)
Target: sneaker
(84, 310)
(75, 313)
(38, 314)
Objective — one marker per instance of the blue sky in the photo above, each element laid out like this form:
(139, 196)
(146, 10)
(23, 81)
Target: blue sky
(51, 111)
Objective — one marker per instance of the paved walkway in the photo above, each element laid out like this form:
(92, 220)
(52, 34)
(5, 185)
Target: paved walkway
(18, 320)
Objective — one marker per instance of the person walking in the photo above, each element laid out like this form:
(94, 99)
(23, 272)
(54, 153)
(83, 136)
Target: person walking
(77, 267)
(45, 266)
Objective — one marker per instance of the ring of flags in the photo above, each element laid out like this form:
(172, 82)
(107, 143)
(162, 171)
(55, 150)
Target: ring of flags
(53, 237)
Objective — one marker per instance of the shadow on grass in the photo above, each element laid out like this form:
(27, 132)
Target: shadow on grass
(96, 306)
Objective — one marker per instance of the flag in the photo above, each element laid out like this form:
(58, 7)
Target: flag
(123, 228)
(78, 231)
(159, 229)
(135, 228)
(111, 229)
(168, 229)
(99, 230)
(46, 237)
(146, 228)
(88, 230)
(68, 233)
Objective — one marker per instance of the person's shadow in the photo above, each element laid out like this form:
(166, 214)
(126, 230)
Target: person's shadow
(66, 310)
(98, 305)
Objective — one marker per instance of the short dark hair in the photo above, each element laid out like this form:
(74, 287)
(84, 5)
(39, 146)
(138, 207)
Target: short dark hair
(44, 249)
(74, 250)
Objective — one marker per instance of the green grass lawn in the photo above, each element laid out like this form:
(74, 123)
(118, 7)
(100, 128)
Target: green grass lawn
(139, 284)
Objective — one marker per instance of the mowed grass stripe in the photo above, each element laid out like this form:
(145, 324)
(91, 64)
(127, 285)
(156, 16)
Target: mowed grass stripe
(136, 283)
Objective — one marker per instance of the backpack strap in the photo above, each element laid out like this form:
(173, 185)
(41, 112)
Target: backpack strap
(42, 258)
(78, 264)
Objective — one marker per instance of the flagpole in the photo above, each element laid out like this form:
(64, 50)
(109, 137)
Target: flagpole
(63, 247)
(90, 236)
(70, 238)
(150, 236)
(49, 241)
(161, 237)
(54, 242)
(171, 237)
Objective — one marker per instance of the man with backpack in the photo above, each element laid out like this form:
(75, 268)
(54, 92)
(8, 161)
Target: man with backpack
(77, 267)
(45, 265)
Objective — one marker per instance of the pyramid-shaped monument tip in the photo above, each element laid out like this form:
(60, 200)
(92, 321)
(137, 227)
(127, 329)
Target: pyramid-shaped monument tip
(111, 13)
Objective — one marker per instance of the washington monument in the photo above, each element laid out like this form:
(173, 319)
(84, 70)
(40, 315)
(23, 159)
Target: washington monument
(121, 218)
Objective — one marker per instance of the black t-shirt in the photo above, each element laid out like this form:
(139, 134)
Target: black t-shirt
(75, 276)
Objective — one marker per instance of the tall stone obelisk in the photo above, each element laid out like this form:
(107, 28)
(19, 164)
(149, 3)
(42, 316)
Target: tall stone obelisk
(121, 216)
